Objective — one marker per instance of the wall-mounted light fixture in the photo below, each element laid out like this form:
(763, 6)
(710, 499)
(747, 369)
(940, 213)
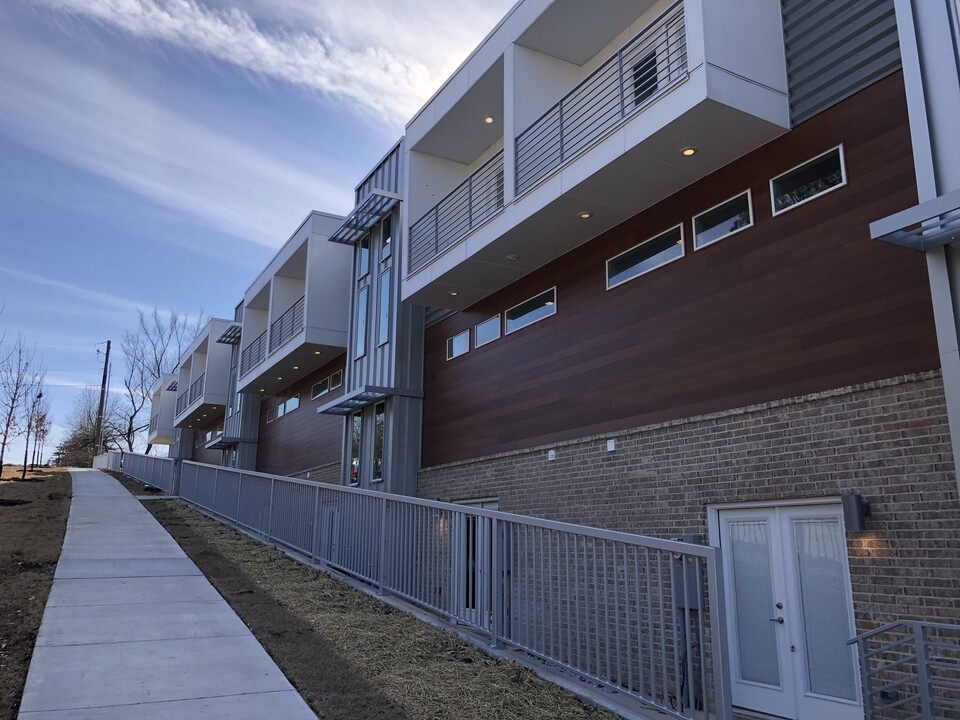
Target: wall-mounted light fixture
(855, 512)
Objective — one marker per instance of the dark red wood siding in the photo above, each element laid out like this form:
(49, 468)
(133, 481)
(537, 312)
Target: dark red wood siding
(801, 302)
(200, 454)
(301, 440)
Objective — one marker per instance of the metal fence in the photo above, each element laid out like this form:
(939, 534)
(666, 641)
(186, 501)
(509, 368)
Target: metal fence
(287, 325)
(910, 670)
(639, 615)
(469, 205)
(253, 354)
(624, 84)
(107, 461)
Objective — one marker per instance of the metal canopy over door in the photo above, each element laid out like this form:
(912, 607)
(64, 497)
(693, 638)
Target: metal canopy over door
(790, 611)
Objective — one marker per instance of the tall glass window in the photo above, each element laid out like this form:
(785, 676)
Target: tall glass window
(356, 437)
(383, 301)
(363, 260)
(386, 242)
(361, 338)
(379, 415)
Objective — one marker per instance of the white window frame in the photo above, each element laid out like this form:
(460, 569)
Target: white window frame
(315, 395)
(454, 337)
(683, 254)
(693, 222)
(843, 180)
(286, 410)
(499, 331)
(271, 411)
(339, 381)
(522, 327)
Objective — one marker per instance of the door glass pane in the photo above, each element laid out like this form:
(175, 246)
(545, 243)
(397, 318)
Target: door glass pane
(753, 594)
(826, 612)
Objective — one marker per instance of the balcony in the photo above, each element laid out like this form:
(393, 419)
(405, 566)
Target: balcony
(600, 100)
(204, 377)
(295, 314)
(163, 404)
(286, 326)
(470, 205)
(254, 353)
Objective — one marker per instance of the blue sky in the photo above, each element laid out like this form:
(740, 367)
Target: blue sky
(158, 152)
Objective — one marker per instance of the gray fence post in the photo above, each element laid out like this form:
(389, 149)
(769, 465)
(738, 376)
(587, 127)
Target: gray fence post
(924, 684)
(382, 560)
(496, 585)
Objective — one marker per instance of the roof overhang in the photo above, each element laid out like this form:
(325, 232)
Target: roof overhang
(365, 215)
(231, 336)
(926, 226)
(360, 398)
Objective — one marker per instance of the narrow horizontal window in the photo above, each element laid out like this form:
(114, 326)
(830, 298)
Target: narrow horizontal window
(805, 182)
(646, 256)
(336, 380)
(293, 403)
(320, 388)
(530, 311)
(271, 415)
(487, 331)
(723, 220)
(281, 409)
(458, 345)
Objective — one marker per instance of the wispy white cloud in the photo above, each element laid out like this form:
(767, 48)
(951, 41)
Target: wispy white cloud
(388, 57)
(78, 114)
(74, 292)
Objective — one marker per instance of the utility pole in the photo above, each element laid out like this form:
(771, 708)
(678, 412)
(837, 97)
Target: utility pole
(103, 394)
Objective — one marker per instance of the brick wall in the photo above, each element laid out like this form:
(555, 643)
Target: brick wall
(329, 473)
(887, 440)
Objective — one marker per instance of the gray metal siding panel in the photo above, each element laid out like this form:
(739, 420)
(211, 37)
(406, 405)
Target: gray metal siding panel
(834, 49)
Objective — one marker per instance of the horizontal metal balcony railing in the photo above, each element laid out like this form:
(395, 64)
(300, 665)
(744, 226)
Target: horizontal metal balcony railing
(639, 615)
(253, 354)
(196, 389)
(468, 206)
(154, 423)
(623, 85)
(183, 400)
(287, 325)
(910, 669)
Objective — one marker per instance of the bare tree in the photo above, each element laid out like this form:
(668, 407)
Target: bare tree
(79, 446)
(152, 349)
(32, 403)
(42, 426)
(16, 377)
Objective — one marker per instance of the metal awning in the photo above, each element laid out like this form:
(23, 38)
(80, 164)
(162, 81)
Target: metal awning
(172, 386)
(230, 336)
(365, 215)
(923, 227)
(360, 398)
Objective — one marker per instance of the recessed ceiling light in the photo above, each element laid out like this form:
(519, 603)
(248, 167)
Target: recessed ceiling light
(584, 215)
(279, 378)
(316, 352)
(688, 151)
(549, 302)
(262, 389)
(488, 120)
(296, 367)
(453, 293)
(513, 258)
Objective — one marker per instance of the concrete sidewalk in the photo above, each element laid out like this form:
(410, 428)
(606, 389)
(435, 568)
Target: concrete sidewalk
(133, 629)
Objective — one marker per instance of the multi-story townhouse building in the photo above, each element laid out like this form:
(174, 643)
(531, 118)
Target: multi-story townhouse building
(620, 272)
(651, 222)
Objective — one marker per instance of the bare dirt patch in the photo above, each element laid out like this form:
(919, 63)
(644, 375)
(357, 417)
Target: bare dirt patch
(350, 655)
(33, 518)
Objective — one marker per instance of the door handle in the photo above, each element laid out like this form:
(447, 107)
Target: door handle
(776, 620)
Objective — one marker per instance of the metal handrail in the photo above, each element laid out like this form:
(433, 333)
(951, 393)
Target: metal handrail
(624, 84)
(154, 423)
(466, 207)
(913, 673)
(183, 400)
(642, 616)
(287, 325)
(196, 389)
(253, 354)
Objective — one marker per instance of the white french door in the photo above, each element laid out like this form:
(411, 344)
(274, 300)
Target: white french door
(789, 611)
